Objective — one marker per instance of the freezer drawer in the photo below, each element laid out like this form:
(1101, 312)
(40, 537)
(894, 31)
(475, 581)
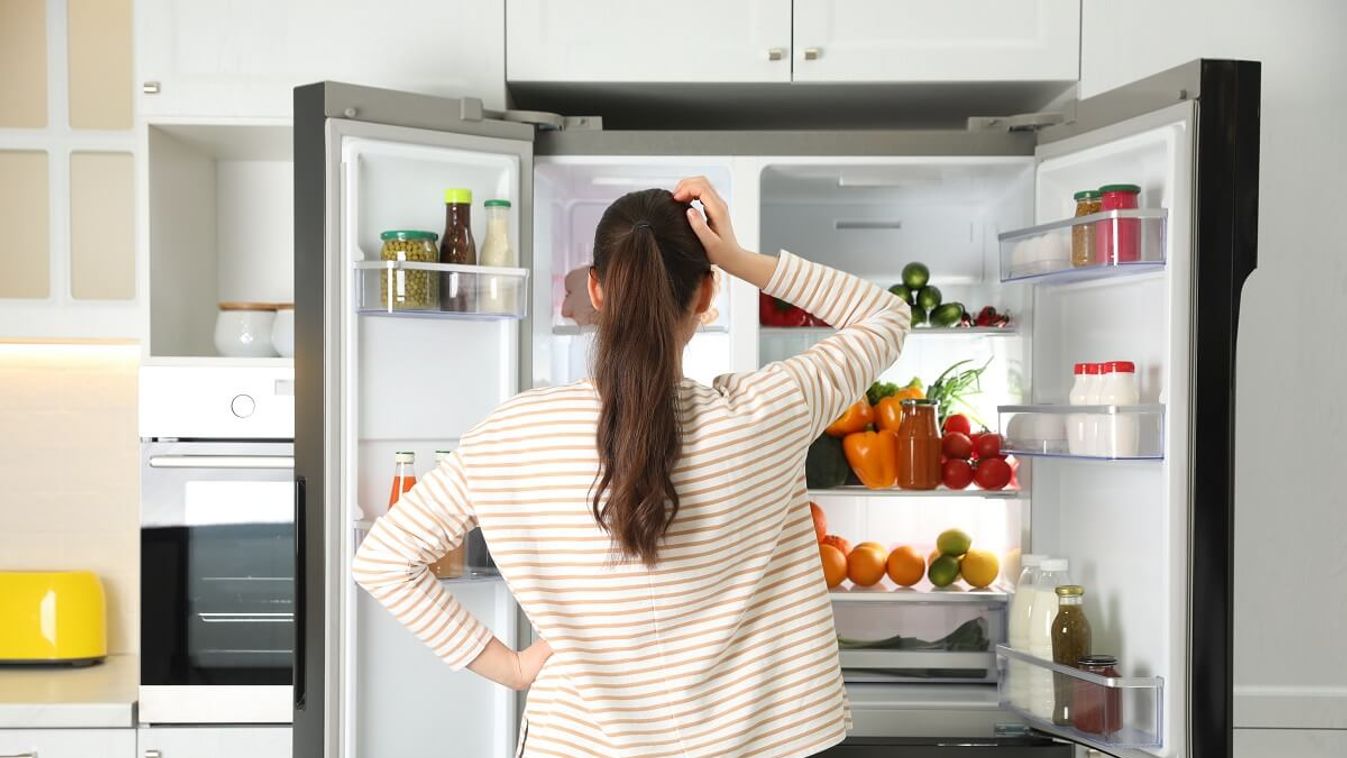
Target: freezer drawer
(954, 747)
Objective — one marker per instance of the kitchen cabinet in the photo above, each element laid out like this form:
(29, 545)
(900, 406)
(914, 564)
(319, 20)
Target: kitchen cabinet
(623, 42)
(244, 58)
(67, 174)
(948, 41)
(67, 743)
(211, 742)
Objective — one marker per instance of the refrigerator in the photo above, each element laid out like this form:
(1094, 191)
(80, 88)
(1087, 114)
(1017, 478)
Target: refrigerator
(1148, 529)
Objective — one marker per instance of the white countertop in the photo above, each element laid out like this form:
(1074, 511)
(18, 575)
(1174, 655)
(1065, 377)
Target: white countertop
(103, 695)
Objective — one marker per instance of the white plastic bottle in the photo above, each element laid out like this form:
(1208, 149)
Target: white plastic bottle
(1089, 434)
(1051, 575)
(1117, 437)
(1017, 633)
(1075, 422)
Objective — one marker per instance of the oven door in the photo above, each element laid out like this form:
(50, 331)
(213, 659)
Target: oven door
(217, 587)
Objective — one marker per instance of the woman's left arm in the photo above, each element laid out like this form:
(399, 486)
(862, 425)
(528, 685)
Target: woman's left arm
(393, 565)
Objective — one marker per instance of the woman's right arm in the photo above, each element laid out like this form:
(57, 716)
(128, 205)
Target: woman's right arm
(871, 322)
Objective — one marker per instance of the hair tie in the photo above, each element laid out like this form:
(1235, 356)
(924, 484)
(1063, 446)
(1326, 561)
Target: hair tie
(640, 225)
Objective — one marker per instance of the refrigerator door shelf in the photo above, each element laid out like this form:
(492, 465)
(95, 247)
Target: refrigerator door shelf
(1132, 706)
(408, 288)
(1097, 432)
(1115, 243)
(571, 330)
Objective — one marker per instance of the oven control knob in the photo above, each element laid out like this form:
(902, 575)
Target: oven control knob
(243, 405)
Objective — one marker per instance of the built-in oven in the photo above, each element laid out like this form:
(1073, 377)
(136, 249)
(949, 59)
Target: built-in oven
(217, 552)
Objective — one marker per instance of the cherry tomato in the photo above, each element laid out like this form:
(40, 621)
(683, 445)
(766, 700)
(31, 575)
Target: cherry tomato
(992, 474)
(956, 474)
(957, 422)
(957, 445)
(988, 445)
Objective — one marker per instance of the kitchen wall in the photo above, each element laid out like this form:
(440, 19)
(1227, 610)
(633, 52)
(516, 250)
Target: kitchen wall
(1291, 523)
(69, 469)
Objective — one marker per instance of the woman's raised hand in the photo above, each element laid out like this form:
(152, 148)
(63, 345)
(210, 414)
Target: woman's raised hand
(714, 230)
(717, 235)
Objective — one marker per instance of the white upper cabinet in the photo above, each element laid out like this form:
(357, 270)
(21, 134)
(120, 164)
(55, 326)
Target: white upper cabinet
(243, 58)
(621, 41)
(936, 40)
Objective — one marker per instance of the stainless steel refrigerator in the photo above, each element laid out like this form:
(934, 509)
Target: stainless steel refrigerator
(1147, 526)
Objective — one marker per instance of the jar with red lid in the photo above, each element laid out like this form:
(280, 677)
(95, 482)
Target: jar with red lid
(1118, 240)
(1095, 708)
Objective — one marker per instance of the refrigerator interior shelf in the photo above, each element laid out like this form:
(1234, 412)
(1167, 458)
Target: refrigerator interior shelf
(857, 490)
(474, 575)
(441, 290)
(1120, 712)
(1098, 432)
(574, 329)
(819, 332)
(932, 664)
(922, 594)
(1118, 243)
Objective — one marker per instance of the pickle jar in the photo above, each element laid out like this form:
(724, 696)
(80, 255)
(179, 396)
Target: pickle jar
(409, 289)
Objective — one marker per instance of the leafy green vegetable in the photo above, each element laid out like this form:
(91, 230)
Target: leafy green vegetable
(951, 389)
(880, 390)
(970, 637)
(825, 465)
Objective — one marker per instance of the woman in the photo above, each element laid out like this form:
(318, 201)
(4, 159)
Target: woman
(656, 531)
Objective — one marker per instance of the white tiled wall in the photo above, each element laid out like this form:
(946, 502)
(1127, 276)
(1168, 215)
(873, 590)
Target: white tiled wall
(69, 469)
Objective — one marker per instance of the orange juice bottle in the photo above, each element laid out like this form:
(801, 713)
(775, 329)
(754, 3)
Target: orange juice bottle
(404, 475)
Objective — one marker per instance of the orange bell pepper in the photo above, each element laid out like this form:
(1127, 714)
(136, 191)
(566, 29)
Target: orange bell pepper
(854, 419)
(909, 393)
(874, 457)
(889, 413)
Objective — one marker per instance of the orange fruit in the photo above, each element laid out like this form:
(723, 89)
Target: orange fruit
(820, 520)
(905, 566)
(874, 546)
(837, 542)
(865, 566)
(834, 565)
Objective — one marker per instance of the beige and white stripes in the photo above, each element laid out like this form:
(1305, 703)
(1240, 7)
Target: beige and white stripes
(726, 647)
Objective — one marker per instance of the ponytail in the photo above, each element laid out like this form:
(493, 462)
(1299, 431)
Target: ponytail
(649, 279)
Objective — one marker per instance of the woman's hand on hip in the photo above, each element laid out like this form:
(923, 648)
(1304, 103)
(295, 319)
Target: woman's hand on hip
(717, 233)
(531, 660)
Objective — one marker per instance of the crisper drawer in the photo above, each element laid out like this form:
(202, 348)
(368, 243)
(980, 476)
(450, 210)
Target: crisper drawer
(908, 635)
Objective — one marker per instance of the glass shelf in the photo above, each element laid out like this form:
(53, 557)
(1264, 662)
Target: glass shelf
(1120, 243)
(1131, 709)
(856, 490)
(921, 594)
(1097, 432)
(819, 332)
(474, 576)
(441, 290)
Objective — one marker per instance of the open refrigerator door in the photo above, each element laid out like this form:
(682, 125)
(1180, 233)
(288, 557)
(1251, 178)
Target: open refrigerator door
(405, 353)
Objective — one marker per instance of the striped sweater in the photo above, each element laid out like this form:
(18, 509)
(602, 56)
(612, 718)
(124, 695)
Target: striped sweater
(726, 647)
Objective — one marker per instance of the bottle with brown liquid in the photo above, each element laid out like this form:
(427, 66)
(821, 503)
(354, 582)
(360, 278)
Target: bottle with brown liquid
(918, 446)
(1070, 642)
(458, 247)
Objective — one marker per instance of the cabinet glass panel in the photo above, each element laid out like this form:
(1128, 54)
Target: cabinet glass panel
(23, 64)
(25, 216)
(102, 218)
(99, 52)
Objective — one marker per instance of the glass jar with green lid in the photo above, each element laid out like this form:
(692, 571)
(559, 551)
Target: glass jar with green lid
(409, 289)
(1082, 235)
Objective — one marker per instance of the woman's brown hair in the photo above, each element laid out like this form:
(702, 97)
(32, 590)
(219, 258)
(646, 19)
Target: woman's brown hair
(650, 265)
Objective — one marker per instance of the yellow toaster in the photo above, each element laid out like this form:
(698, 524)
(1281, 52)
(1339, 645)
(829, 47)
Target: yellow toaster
(52, 617)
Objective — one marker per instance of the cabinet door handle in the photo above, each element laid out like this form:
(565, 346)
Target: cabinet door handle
(153, 754)
(150, 88)
(776, 53)
(812, 53)
(29, 754)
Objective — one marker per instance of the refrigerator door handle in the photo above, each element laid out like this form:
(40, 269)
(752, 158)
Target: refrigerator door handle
(300, 614)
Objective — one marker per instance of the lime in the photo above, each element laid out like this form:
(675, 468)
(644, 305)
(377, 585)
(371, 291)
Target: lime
(903, 292)
(948, 314)
(929, 297)
(953, 542)
(918, 315)
(943, 571)
(916, 275)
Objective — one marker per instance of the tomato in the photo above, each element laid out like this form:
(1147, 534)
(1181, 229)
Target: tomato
(957, 445)
(992, 474)
(988, 445)
(957, 422)
(957, 474)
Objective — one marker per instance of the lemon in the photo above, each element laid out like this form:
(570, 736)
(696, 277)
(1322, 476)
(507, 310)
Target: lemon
(953, 542)
(979, 568)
